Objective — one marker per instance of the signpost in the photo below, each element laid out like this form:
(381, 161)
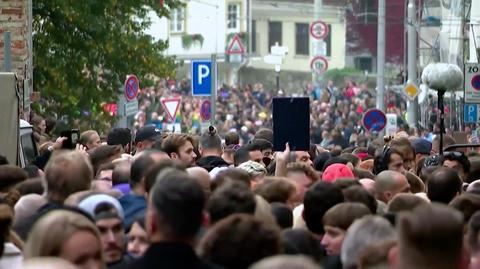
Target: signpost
(131, 87)
(131, 108)
(411, 91)
(391, 127)
(206, 110)
(235, 50)
(472, 83)
(235, 46)
(471, 114)
(276, 56)
(319, 65)
(318, 29)
(171, 106)
(374, 120)
(201, 78)
(128, 103)
(204, 81)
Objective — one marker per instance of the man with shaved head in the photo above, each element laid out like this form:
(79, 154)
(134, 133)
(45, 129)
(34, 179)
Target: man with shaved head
(202, 176)
(390, 183)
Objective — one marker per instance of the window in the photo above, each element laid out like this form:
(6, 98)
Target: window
(233, 17)
(177, 20)
(328, 41)
(254, 36)
(274, 33)
(28, 148)
(364, 63)
(301, 39)
(368, 11)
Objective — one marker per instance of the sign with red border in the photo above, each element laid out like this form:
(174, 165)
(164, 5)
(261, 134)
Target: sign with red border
(235, 46)
(318, 29)
(171, 106)
(319, 64)
(205, 110)
(374, 120)
(131, 88)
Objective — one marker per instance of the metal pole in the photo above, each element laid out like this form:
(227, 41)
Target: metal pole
(381, 56)
(278, 81)
(213, 89)
(412, 105)
(7, 64)
(317, 9)
(250, 27)
(28, 80)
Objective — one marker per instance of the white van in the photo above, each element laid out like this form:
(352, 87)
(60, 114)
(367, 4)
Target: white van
(27, 148)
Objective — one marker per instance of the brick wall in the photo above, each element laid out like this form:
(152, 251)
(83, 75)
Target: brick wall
(13, 18)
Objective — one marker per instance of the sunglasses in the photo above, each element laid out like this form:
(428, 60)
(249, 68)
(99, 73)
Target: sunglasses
(454, 154)
(434, 160)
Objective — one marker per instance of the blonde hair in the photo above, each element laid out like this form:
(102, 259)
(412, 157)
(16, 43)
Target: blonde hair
(51, 231)
(87, 136)
(67, 172)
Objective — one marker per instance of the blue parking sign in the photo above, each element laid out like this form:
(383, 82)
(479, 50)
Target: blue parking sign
(470, 113)
(201, 77)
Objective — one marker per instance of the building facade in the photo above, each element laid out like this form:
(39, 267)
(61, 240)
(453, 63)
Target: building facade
(203, 28)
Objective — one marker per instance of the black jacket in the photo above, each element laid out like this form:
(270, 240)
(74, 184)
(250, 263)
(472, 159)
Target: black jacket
(170, 256)
(211, 162)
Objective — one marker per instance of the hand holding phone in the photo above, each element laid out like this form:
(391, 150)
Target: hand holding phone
(72, 138)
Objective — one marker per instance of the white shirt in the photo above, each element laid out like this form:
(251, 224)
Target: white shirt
(12, 257)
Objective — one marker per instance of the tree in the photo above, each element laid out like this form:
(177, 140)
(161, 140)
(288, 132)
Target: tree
(84, 49)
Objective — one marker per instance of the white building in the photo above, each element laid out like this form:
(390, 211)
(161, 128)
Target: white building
(205, 27)
(202, 27)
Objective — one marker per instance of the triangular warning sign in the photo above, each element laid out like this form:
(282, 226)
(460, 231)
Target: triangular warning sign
(171, 106)
(235, 46)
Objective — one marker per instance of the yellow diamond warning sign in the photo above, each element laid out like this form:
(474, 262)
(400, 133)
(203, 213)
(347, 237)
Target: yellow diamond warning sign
(411, 90)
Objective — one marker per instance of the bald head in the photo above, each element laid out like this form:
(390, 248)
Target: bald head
(368, 184)
(390, 183)
(202, 176)
(156, 155)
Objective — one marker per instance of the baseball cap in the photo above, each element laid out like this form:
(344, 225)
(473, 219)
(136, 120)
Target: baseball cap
(119, 136)
(422, 146)
(147, 132)
(92, 203)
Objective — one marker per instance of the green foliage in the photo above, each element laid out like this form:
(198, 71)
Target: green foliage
(83, 51)
(340, 76)
(188, 40)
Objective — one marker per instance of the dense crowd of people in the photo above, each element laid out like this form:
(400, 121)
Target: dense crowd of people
(156, 199)
(336, 111)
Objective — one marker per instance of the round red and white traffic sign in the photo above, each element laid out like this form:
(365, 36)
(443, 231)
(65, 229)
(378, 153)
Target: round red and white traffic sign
(319, 64)
(318, 29)
(476, 82)
(131, 88)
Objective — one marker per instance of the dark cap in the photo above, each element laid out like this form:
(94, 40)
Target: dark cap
(119, 136)
(147, 132)
(422, 146)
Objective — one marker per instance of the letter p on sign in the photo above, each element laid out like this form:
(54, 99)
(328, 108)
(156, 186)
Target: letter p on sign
(201, 78)
(203, 72)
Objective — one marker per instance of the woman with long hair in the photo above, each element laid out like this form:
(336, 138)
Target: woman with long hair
(67, 235)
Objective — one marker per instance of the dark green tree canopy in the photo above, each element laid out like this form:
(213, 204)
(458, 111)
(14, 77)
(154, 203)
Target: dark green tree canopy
(83, 51)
